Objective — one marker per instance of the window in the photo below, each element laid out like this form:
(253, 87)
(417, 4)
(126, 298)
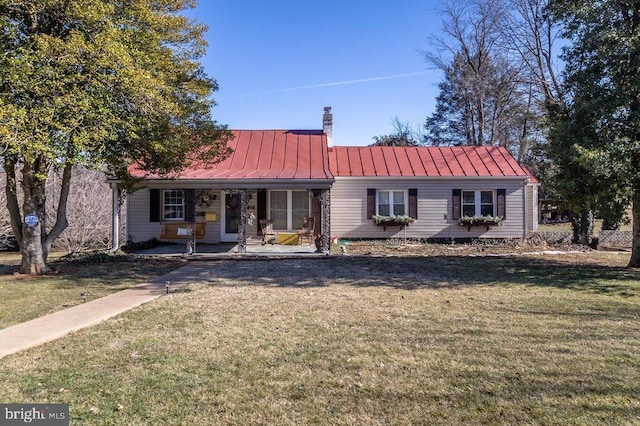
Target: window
(299, 208)
(486, 203)
(392, 203)
(478, 203)
(278, 208)
(288, 208)
(173, 205)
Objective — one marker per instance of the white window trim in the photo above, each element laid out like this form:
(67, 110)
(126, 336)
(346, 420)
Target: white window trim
(478, 201)
(163, 205)
(290, 225)
(391, 191)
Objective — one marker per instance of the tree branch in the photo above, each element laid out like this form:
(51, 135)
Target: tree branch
(12, 198)
(61, 213)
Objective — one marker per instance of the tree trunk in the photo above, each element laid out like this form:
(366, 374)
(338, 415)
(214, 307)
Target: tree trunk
(583, 228)
(635, 247)
(32, 235)
(481, 123)
(61, 213)
(34, 260)
(12, 198)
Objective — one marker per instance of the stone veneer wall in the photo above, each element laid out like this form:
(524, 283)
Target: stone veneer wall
(552, 238)
(615, 239)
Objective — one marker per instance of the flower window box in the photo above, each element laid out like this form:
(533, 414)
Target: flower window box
(395, 220)
(488, 221)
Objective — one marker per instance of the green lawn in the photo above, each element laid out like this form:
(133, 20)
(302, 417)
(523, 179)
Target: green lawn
(360, 340)
(24, 297)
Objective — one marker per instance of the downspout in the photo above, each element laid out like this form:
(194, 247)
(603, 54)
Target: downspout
(535, 206)
(526, 210)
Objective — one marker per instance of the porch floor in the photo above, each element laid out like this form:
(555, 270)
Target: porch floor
(254, 247)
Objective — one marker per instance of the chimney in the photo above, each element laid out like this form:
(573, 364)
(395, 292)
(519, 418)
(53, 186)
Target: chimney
(327, 125)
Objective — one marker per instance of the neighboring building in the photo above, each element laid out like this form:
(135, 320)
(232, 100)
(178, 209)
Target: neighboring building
(287, 175)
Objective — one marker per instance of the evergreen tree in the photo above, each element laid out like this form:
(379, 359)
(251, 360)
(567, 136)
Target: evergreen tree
(603, 80)
(403, 136)
(96, 82)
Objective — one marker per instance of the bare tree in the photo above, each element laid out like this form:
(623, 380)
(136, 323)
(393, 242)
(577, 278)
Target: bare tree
(88, 211)
(530, 33)
(403, 135)
(501, 78)
(485, 96)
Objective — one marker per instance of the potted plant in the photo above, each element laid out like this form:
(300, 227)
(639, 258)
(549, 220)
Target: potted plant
(393, 220)
(487, 221)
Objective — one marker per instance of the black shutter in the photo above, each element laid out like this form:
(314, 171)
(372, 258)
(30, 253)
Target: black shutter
(413, 203)
(501, 203)
(371, 202)
(262, 208)
(189, 205)
(456, 201)
(154, 205)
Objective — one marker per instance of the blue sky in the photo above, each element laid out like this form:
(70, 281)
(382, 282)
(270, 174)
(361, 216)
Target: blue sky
(279, 63)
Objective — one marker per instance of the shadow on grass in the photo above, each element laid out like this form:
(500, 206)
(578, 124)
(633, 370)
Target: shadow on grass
(9, 269)
(409, 273)
(118, 272)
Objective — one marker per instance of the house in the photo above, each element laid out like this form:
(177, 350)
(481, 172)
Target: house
(288, 175)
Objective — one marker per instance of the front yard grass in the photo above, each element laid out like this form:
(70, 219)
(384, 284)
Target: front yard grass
(360, 340)
(24, 297)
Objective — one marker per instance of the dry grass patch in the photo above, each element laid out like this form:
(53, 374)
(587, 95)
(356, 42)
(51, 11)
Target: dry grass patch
(359, 340)
(24, 297)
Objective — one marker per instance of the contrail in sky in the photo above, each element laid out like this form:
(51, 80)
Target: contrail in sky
(337, 83)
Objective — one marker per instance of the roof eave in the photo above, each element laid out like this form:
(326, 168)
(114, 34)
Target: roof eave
(434, 177)
(240, 183)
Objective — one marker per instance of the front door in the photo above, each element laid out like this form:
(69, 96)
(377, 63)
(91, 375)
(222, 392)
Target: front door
(230, 216)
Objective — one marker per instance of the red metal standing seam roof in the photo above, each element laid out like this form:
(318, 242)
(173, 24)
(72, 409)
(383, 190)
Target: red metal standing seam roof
(303, 154)
(457, 161)
(265, 154)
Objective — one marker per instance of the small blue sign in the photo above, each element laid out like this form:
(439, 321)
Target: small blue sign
(31, 219)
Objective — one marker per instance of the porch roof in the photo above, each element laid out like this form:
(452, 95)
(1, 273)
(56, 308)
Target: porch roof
(459, 161)
(264, 155)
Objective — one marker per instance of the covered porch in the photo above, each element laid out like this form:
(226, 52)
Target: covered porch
(279, 176)
(185, 213)
(253, 249)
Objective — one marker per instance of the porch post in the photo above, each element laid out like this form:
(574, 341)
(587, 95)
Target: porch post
(242, 226)
(325, 206)
(115, 218)
(245, 195)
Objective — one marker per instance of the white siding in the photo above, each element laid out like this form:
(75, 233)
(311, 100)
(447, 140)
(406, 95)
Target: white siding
(139, 228)
(349, 209)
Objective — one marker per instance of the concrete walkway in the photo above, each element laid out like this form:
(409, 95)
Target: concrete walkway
(58, 324)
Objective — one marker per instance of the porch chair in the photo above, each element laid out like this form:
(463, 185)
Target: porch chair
(307, 230)
(268, 235)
